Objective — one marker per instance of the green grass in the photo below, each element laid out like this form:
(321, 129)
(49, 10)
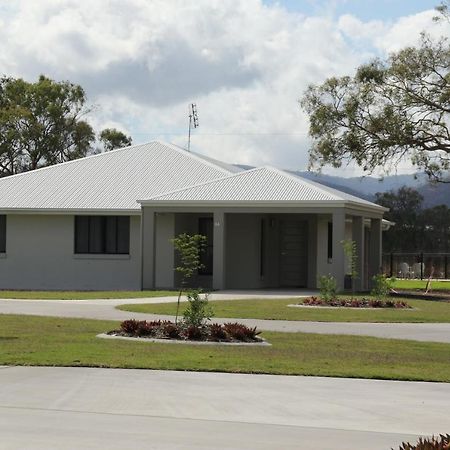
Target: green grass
(421, 284)
(83, 295)
(426, 311)
(30, 340)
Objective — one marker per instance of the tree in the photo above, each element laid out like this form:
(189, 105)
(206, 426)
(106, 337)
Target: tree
(405, 207)
(40, 124)
(444, 11)
(389, 110)
(189, 248)
(416, 229)
(112, 138)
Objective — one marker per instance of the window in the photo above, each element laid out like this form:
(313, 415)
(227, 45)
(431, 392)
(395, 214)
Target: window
(102, 235)
(330, 241)
(2, 234)
(206, 228)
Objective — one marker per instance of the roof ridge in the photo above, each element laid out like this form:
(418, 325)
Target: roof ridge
(196, 156)
(204, 183)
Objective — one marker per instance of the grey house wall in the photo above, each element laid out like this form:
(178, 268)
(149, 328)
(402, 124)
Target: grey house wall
(40, 255)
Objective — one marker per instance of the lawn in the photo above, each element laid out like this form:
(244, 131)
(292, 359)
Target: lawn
(421, 284)
(424, 311)
(30, 340)
(83, 295)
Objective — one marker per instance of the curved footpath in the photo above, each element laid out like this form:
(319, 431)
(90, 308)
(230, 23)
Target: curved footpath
(105, 309)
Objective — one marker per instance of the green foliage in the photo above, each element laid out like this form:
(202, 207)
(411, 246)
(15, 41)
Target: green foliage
(416, 229)
(189, 248)
(327, 287)
(350, 252)
(389, 109)
(198, 310)
(381, 286)
(40, 124)
(442, 442)
(112, 139)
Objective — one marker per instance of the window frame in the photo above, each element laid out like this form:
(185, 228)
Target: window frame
(101, 244)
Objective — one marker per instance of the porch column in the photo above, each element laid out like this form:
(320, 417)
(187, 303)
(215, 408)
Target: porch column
(218, 281)
(358, 238)
(375, 248)
(148, 248)
(338, 264)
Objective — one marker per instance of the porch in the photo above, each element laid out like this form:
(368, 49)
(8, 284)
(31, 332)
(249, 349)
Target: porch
(261, 248)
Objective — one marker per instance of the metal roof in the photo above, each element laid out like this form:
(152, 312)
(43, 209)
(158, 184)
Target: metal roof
(263, 184)
(111, 181)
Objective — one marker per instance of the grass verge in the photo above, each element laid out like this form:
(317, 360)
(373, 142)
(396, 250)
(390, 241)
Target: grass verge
(277, 309)
(83, 295)
(48, 341)
(421, 284)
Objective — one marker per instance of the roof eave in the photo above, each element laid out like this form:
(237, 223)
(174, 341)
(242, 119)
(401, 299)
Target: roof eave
(73, 211)
(263, 203)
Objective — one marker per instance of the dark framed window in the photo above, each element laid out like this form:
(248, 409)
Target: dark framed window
(206, 228)
(102, 235)
(330, 241)
(2, 233)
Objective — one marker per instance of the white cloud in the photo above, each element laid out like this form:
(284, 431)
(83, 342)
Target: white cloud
(245, 64)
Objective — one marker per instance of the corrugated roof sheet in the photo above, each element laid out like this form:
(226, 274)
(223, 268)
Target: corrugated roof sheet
(113, 180)
(264, 184)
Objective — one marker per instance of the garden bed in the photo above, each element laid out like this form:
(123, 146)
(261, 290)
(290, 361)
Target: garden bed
(363, 303)
(165, 331)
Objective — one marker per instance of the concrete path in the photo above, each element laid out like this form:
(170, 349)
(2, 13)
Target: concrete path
(105, 309)
(72, 408)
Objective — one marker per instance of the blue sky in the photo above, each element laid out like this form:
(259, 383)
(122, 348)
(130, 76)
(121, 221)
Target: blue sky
(363, 9)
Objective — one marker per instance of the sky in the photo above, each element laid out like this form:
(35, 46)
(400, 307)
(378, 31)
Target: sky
(245, 63)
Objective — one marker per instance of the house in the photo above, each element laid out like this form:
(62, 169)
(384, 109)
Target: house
(105, 222)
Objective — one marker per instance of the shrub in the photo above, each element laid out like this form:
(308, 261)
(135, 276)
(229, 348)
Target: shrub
(375, 303)
(198, 310)
(434, 443)
(171, 330)
(129, 326)
(241, 332)
(216, 331)
(327, 287)
(381, 286)
(147, 328)
(193, 333)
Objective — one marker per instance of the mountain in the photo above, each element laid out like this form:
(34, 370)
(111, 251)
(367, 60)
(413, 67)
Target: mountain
(367, 187)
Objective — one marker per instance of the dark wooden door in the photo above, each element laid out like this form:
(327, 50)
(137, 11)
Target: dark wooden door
(293, 253)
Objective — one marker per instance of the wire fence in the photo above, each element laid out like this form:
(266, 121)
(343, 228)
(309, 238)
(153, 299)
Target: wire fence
(417, 265)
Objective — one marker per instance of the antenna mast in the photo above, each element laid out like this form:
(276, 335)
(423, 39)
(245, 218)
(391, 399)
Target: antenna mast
(193, 122)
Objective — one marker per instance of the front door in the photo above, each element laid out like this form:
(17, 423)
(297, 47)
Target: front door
(293, 253)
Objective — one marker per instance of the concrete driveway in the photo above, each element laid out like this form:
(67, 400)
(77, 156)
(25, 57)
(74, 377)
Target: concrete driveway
(105, 309)
(73, 408)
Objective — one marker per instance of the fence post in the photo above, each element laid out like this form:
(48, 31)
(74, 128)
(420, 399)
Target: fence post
(421, 266)
(445, 267)
(392, 264)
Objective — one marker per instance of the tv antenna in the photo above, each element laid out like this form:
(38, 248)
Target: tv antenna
(193, 122)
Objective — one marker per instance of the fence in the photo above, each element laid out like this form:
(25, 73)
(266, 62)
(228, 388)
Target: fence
(417, 265)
